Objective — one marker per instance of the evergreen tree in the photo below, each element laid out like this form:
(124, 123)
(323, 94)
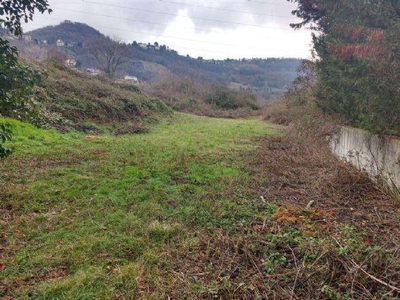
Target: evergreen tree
(357, 50)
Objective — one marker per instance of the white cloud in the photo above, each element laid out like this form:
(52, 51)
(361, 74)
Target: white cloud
(211, 29)
(239, 42)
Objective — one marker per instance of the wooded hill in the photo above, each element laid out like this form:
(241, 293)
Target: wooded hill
(266, 78)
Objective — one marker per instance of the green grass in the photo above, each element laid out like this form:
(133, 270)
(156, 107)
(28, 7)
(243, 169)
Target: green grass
(92, 216)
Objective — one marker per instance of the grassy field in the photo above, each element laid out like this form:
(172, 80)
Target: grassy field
(197, 208)
(100, 217)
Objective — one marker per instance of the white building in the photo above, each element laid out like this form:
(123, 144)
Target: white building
(60, 43)
(27, 38)
(70, 63)
(93, 71)
(132, 79)
(143, 45)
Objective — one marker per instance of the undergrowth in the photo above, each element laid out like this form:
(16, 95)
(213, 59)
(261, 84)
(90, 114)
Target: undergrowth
(348, 221)
(69, 99)
(212, 100)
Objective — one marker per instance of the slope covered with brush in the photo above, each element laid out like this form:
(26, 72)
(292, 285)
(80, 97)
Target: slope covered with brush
(71, 98)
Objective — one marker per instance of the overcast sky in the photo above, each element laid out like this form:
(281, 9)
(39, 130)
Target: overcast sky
(209, 28)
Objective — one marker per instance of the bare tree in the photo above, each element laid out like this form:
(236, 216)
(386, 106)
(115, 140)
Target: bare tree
(56, 57)
(109, 53)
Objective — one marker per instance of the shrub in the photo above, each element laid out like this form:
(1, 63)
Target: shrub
(204, 99)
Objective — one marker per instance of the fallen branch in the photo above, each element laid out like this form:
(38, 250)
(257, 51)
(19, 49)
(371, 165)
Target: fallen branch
(297, 275)
(393, 288)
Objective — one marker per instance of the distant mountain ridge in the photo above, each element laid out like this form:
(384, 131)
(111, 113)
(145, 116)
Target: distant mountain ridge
(152, 62)
(70, 32)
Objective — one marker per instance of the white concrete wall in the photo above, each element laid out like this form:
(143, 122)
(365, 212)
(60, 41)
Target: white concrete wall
(376, 155)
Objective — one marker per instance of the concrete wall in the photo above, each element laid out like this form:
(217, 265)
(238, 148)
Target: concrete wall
(376, 155)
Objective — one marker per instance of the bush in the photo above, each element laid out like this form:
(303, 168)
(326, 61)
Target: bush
(298, 108)
(226, 98)
(204, 99)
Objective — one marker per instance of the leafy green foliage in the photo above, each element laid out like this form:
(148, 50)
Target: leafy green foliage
(16, 89)
(17, 81)
(16, 11)
(358, 53)
(5, 135)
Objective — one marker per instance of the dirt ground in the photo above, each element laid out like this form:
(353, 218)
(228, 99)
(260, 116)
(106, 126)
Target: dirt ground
(302, 172)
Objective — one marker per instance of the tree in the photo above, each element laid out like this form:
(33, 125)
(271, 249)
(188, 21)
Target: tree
(108, 53)
(56, 57)
(357, 50)
(14, 11)
(17, 80)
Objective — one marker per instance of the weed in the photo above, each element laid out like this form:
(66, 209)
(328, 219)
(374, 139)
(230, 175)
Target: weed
(272, 261)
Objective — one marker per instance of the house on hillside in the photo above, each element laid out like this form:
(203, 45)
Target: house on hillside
(143, 46)
(27, 38)
(60, 43)
(93, 71)
(70, 63)
(72, 44)
(131, 79)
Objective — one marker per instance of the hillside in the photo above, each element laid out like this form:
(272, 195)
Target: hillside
(69, 32)
(151, 63)
(266, 78)
(70, 98)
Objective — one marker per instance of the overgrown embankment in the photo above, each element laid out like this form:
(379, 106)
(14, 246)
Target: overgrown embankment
(75, 99)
